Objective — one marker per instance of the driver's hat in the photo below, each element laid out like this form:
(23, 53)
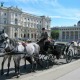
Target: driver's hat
(43, 28)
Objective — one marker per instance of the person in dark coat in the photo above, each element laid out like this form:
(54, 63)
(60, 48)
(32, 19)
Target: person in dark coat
(44, 35)
(43, 38)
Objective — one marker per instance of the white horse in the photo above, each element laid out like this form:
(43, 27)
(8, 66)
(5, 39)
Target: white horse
(31, 54)
(31, 51)
(75, 45)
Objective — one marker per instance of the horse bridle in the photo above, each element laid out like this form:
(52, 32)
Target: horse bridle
(5, 45)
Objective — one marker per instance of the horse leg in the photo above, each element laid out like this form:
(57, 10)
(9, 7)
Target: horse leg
(38, 63)
(32, 65)
(24, 62)
(15, 62)
(35, 63)
(9, 60)
(47, 63)
(18, 68)
(2, 65)
(29, 59)
(17, 65)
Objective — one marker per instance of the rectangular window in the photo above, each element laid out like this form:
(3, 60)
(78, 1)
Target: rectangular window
(76, 35)
(5, 21)
(16, 21)
(71, 35)
(4, 14)
(67, 35)
(15, 14)
(63, 35)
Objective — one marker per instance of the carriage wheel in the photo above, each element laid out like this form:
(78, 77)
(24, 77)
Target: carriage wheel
(69, 56)
(50, 57)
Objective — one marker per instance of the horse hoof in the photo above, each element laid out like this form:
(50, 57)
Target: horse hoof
(33, 71)
(7, 74)
(2, 72)
(18, 75)
(46, 67)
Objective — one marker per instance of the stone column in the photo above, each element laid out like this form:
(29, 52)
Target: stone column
(78, 34)
(30, 36)
(65, 35)
(74, 35)
(60, 35)
(69, 35)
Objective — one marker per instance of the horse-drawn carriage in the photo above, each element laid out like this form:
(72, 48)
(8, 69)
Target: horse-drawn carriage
(69, 50)
(63, 49)
(57, 50)
(66, 51)
(32, 52)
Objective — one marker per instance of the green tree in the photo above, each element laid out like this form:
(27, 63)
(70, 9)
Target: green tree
(55, 34)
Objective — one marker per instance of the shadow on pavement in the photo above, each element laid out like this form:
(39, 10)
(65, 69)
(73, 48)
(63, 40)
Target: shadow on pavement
(27, 70)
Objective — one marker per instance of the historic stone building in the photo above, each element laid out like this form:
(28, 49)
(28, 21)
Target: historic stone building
(18, 24)
(69, 33)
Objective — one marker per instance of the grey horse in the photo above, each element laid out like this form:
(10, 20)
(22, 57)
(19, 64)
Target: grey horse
(18, 51)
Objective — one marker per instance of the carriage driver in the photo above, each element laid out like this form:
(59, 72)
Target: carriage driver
(44, 35)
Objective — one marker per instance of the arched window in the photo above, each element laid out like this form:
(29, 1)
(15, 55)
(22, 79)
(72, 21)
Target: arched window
(35, 36)
(21, 35)
(16, 21)
(15, 34)
(28, 35)
(24, 35)
(31, 35)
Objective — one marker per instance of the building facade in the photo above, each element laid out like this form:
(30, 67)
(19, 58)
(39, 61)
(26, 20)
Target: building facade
(69, 33)
(18, 24)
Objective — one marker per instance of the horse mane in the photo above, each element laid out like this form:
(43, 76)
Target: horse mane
(13, 42)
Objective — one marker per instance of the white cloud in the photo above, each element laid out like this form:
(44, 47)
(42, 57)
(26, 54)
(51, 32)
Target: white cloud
(66, 13)
(50, 8)
(55, 16)
(71, 18)
(64, 17)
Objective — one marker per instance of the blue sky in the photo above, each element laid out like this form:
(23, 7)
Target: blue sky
(61, 12)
